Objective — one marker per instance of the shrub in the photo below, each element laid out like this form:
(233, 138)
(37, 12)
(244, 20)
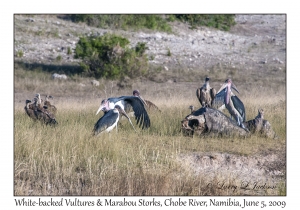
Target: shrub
(169, 52)
(20, 53)
(140, 48)
(110, 57)
(222, 22)
(69, 51)
(171, 18)
(59, 58)
(155, 22)
(124, 21)
(152, 57)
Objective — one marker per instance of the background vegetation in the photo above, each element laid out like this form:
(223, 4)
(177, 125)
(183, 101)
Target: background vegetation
(222, 22)
(98, 52)
(128, 21)
(155, 22)
(109, 56)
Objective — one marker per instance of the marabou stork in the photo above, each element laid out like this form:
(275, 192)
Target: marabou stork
(149, 104)
(232, 103)
(138, 106)
(206, 94)
(110, 120)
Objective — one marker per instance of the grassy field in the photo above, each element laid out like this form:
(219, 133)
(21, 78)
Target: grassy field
(68, 160)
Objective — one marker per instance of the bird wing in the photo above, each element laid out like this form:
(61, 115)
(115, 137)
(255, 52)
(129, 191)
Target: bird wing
(140, 112)
(150, 105)
(127, 108)
(107, 120)
(239, 106)
(198, 93)
(199, 111)
(47, 103)
(213, 93)
(219, 99)
(202, 96)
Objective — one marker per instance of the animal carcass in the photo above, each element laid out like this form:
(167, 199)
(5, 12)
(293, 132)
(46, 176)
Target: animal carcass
(208, 121)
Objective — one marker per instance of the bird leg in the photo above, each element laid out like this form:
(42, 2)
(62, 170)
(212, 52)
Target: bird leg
(240, 122)
(221, 108)
(124, 113)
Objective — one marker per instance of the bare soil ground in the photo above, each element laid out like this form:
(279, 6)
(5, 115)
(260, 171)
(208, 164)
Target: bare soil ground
(255, 43)
(243, 175)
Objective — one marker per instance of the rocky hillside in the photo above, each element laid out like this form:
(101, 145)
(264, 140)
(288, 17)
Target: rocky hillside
(257, 43)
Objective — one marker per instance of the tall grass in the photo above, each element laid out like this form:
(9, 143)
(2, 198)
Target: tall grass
(68, 160)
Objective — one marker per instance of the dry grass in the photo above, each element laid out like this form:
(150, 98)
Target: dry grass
(68, 160)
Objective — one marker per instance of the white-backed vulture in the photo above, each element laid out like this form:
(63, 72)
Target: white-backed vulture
(206, 94)
(51, 108)
(149, 104)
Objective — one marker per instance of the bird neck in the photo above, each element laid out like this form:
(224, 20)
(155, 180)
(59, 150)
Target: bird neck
(109, 105)
(227, 94)
(112, 105)
(207, 83)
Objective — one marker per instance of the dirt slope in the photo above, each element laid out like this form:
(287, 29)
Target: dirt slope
(254, 42)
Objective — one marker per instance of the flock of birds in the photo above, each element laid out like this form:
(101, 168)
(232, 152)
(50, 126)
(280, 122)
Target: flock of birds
(41, 110)
(115, 107)
(224, 98)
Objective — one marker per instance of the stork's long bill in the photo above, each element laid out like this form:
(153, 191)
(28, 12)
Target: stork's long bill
(104, 106)
(233, 86)
(228, 85)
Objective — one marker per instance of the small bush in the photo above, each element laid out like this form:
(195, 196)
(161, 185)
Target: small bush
(155, 22)
(20, 53)
(169, 52)
(140, 48)
(171, 18)
(222, 22)
(56, 33)
(110, 57)
(59, 58)
(124, 21)
(152, 57)
(69, 52)
(40, 33)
